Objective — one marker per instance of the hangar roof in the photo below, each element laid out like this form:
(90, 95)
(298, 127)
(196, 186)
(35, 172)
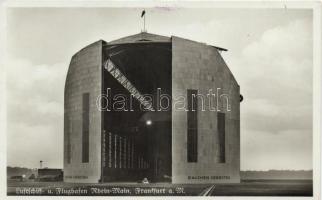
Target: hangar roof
(141, 37)
(145, 37)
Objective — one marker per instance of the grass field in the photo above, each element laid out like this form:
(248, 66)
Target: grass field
(245, 188)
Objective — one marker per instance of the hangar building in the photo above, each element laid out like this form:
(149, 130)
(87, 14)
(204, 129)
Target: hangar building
(181, 143)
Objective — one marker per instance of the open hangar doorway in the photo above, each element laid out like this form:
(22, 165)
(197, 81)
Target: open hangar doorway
(137, 143)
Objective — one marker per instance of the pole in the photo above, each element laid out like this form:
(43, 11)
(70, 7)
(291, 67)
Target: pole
(144, 24)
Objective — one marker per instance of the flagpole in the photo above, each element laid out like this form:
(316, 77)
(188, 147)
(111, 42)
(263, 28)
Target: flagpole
(144, 24)
(143, 15)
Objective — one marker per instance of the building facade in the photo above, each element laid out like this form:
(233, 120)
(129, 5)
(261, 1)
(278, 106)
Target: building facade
(164, 108)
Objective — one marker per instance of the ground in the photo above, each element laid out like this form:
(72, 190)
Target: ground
(245, 188)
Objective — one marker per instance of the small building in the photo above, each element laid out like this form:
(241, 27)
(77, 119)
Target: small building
(192, 138)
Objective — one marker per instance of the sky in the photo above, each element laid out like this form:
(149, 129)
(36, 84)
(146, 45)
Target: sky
(269, 53)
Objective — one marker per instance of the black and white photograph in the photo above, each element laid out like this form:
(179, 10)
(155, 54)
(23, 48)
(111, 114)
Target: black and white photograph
(162, 99)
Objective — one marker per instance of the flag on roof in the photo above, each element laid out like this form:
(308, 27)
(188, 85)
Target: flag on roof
(143, 13)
